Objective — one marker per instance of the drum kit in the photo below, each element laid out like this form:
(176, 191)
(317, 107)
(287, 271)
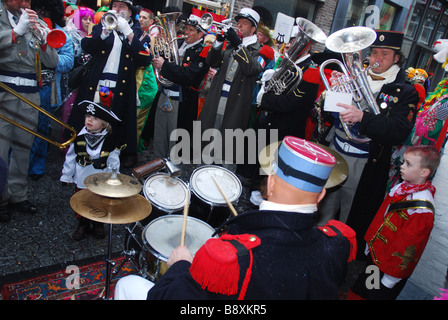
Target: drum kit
(159, 221)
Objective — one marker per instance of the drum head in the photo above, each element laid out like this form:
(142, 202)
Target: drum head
(165, 192)
(163, 234)
(203, 186)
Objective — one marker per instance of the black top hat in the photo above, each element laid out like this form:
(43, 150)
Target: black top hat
(99, 111)
(388, 39)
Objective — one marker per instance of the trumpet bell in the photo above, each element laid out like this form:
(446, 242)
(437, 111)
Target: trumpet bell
(56, 38)
(350, 39)
(206, 21)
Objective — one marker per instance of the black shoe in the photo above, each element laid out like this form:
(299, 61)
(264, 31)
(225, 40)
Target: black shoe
(5, 214)
(80, 232)
(24, 207)
(98, 230)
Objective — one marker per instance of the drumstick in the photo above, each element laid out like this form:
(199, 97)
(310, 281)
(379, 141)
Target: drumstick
(184, 224)
(225, 198)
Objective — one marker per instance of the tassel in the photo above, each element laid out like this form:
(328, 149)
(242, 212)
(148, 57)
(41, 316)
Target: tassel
(215, 267)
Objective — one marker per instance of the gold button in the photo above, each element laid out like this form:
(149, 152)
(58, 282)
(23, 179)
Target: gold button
(90, 88)
(124, 81)
(121, 93)
(125, 68)
(127, 56)
(103, 52)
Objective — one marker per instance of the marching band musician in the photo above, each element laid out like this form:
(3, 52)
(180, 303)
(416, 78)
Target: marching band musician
(229, 101)
(271, 253)
(116, 53)
(397, 101)
(20, 62)
(177, 106)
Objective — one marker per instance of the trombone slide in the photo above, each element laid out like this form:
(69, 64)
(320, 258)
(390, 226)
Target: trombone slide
(27, 101)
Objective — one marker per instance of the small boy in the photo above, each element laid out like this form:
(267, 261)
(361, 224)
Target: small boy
(94, 150)
(400, 230)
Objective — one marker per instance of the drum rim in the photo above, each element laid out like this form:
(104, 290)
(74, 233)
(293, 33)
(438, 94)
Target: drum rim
(156, 253)
(158, 206)
(211, 203)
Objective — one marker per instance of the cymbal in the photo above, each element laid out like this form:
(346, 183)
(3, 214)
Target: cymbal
(110, 210)
(337, 176)
(114, 185)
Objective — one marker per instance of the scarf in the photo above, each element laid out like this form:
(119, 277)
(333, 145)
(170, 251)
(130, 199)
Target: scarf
(406, 188)
(377, 80)
(94, 139)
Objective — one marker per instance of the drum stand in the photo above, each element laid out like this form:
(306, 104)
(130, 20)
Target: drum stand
(109, 263)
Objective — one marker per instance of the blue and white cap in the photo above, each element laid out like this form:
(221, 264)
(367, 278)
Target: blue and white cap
(303, 164)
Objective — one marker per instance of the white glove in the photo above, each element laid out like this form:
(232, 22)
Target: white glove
(267, 75)
(124, 26)
(260, 94)
(23, 24)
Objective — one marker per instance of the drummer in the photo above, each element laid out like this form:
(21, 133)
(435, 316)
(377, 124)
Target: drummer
(94, 150)
(271, 253)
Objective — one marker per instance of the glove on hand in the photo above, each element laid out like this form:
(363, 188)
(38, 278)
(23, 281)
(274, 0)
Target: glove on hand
(124, 26)
(23, 24)
(233, 37)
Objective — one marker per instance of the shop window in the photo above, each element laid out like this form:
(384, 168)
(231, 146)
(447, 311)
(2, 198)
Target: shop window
(298, 8)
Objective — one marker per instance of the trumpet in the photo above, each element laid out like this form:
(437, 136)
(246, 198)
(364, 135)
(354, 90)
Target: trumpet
(207, 21)
(19, 96)
(42, 34)
(350, 42)
(109, 20)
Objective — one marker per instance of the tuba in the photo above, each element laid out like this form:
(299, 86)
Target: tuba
(288, 75)
(165, 42)
(350, 42)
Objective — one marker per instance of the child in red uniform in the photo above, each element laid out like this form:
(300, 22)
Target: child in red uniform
(400, 230)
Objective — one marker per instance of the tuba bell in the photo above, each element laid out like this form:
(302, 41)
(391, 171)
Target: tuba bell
(350, 42)
(165, 42)
(288, 75)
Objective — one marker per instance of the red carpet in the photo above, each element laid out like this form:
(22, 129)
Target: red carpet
(88, 283)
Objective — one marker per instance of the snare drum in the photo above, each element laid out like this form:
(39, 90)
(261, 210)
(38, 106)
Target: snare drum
(167, 194)
(163, 235)
(207, 202)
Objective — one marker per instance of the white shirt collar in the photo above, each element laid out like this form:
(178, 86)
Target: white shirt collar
(302, 208)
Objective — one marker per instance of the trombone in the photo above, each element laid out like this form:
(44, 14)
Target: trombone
(18, 95)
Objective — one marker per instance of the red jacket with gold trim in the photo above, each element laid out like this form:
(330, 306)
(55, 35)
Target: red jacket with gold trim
(397, 238)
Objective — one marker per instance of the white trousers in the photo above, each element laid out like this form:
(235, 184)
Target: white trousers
(132, 287)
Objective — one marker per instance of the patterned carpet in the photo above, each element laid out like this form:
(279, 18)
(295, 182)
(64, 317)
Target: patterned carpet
(87, 282)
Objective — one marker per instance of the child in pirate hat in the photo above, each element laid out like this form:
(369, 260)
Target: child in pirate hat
(94, 150)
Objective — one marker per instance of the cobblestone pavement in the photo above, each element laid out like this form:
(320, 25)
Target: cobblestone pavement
(44, 239)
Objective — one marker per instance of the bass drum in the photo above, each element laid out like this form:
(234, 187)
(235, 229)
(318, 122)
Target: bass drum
(150, 246)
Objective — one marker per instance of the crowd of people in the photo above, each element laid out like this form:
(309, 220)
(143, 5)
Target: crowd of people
(297, 245)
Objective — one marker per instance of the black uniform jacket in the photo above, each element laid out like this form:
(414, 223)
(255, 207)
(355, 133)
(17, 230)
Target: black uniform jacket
(189, 75)
(294, 261)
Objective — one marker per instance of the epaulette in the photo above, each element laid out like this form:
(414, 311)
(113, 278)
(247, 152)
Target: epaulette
(334, 228)
(215, 266)
(205, 51)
